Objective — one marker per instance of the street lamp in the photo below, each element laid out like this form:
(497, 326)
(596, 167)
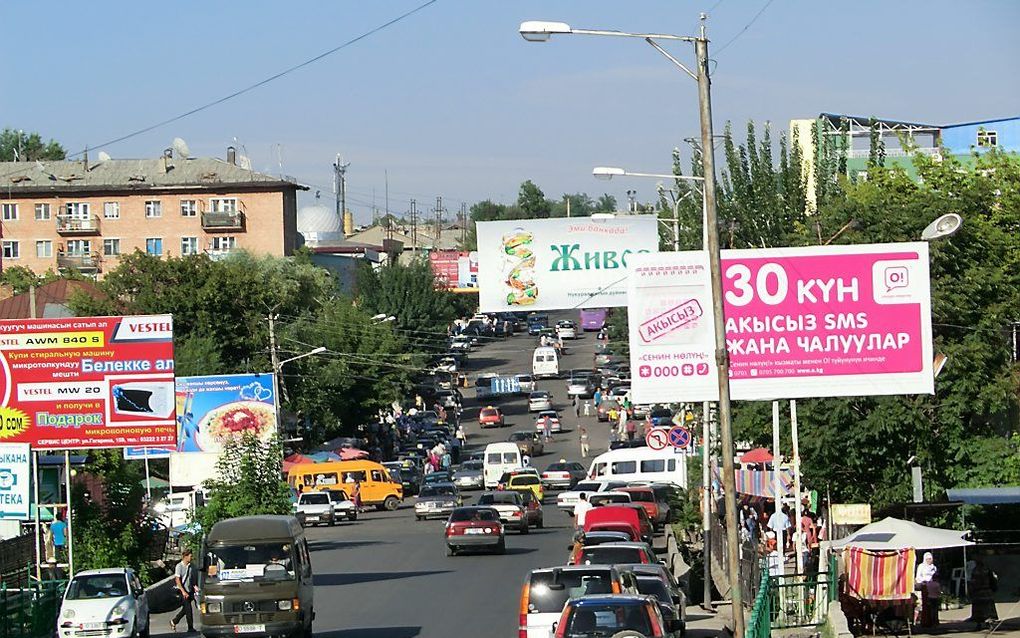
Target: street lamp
(278, 383)
(541, 31)
(302, 356)
(609, 172)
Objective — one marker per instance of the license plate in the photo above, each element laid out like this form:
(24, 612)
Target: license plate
(93, 625)
(249, 629)
(474, 530)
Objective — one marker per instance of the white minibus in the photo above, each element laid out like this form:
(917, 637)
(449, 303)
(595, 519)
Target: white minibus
(499, 458)
(545, 363)
(641, 464)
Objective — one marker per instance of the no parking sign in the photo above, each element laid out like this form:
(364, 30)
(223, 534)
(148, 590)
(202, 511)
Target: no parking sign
(679, 437)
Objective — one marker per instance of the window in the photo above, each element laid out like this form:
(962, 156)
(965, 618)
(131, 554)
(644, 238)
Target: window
(600, 469)
(153, 208)
(223, 205)
(189, 208)
(43, 248)
(223, 244)
(154, 246)
(987, 139)
(111, 247)
(42, 212)
(189, 245)
(671, 465)
(377, 476)
(11, 250)
(624, 467)
(79, 247)
(657, 465)
(111, 210)
(10, 212)
(77, 210)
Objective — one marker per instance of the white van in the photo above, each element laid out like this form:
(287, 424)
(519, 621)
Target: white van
(640, 464)
(545, 363)
(499, 458)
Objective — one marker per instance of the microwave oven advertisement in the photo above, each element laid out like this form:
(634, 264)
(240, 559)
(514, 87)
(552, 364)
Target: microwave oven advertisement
(88, 382)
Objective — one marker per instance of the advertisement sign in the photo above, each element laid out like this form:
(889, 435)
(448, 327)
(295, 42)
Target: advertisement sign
(818, 321)
(15, 480)
(850, 513)
(454, 269)
(564, 263)
(141, 453)
(505, 385)
(87, 382)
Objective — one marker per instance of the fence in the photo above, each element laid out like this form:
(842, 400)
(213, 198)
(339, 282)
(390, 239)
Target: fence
(792, 600)
(30, 611)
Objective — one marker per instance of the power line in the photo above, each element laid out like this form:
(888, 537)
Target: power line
(746, 27)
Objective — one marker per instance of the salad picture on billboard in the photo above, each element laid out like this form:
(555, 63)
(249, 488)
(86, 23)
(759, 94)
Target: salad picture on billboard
(519, 266)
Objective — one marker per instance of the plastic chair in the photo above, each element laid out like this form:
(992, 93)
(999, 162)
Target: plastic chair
(959, 581)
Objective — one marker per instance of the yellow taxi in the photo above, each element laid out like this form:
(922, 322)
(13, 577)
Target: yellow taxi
(526, 483)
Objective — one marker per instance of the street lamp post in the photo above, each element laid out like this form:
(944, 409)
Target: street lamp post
(541, 31)
(278, 383)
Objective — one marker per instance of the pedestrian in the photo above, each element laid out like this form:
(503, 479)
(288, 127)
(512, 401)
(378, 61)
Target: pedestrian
(461, 435)
(982, 586)
(631, 428)
(59, 530)
(779, 523)
(581, 508)
(356, 495)
(525, 460)
(597, 397)
(584, 443)
(809, 537)
(587, 408)
(924, 576)
(186, 582)
(547, 428)
(577, 406)
(775, 556)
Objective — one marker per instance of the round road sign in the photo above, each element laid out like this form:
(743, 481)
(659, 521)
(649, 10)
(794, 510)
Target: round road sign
(657, 439)
(679, 437)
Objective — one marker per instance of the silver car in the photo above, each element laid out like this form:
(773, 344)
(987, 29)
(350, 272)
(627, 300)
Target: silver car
(437, 500)
(469, 476)
(539, 401)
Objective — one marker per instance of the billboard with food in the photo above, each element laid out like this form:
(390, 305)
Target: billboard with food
(87, 382)
(564, 263)
(215, 410)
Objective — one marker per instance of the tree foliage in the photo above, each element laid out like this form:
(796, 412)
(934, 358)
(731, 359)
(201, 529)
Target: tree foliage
(28, 147)
(408, 292)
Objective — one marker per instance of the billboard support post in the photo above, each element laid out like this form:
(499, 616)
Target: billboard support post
(706, 505)
(776, 459)
(796, 487)
(148, 479)
(70, 533)
(38, 526)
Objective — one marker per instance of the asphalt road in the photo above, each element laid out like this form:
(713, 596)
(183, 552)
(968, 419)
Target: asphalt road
(388, 576)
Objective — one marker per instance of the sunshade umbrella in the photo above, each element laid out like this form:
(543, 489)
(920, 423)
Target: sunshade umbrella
(154, 483)
(351, 453)
(296, 458)
(893, 534)
(757, 455)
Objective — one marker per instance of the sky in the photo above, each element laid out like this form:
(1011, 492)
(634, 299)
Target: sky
(451, 100)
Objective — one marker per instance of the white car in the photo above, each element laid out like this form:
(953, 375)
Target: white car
(447, 364)
(567, 500)
(527, 383)
(554, 421)
(539, 400)
(343, 506)
(460, 344)
(104, 602)
(566, 330)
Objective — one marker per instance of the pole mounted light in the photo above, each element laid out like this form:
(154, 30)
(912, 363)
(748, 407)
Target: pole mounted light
(318, 350)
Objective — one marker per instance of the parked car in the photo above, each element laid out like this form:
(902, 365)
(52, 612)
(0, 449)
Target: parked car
(563, 475)
(314, 508)
(529, 442)
(474, 528)
(594, 538)
(616, 553)
(654, 579)
(539, 400)
(469, 475)
(490, 416)
(547, 590)
(646, 497)
(602, 615)
(437, 500)
(103, 602)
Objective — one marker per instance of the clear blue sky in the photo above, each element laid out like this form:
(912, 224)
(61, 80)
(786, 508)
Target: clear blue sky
(453, 102)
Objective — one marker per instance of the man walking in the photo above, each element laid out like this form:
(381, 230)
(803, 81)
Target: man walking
(186, 582)
(584, 443)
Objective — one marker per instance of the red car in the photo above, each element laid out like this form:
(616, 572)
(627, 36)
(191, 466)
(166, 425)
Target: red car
(646, 497)
(490, 417)
(474, 528)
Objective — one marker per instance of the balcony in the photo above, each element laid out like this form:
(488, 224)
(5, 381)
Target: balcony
(77, 226)
(864, 153)
(225, 222)
(82, 262)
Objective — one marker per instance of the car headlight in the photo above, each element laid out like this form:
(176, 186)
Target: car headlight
(68, 613)
(214, 607)
(120, 609)
(283, 605)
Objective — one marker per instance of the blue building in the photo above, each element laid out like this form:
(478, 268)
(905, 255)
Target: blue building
(962, 139)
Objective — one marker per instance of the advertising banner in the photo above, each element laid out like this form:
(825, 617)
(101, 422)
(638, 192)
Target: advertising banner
(87, 382)
(454, 269)
(818, 321)
(564, 263)
(142, 453)
(15, 481)
(213, 410)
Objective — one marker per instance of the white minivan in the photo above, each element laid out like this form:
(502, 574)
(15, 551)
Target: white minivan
(499, 458)
(545, 363)
(640, 464)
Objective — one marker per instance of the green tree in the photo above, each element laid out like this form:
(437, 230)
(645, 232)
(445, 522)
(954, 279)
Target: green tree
(248, 483)
(532, 202)
(408, 292)
(27, 147)
(606, 203)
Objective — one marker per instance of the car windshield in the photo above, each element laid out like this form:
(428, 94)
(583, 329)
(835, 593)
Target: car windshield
(642, 497)
(587, 486)
(520, 436)
(471, 465)
(539, 395)
(436, 490)
(653, 586)
(528, 479)
(558, 467)
(96, 586)
(547, 414)
(606, 620)
(489, 413)
(546, 597)
(250, 562)
(663, 414)
(460, 515)
(604, 555)
(501, 498)
(317, 498)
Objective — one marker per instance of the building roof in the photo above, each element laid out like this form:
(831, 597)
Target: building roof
(248, 528)
(133, 175)
(979, 122)
(867, 121)
(985, 495)
(51, 300)
(449, 238)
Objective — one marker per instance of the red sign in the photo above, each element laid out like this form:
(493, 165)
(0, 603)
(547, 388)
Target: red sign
(88, 382)
(679, 437)
(656, 439)
(454, 268)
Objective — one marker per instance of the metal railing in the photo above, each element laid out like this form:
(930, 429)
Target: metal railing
(792, 600)
(858, 153)
(760, 624)
(223, 220)
(30, 611)
(67, 225)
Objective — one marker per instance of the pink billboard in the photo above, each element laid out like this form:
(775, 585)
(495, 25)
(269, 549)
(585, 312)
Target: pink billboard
(816, 321)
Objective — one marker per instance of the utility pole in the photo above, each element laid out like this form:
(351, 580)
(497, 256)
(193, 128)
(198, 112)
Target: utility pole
(340, 186)
(439, 219)
(721, 354)
(277, 381)
(463, 240)
(414, 227)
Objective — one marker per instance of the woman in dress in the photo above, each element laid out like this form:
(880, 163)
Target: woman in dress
(925, 574)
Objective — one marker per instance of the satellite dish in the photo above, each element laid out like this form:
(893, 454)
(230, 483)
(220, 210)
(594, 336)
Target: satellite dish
(244, 162)
(942, 227)
(104, 156)
(181, 148)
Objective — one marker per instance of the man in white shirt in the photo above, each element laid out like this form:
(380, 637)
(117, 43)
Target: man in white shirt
(779, 523)
(580, 510)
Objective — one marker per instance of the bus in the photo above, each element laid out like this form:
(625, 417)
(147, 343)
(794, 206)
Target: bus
(593, 319)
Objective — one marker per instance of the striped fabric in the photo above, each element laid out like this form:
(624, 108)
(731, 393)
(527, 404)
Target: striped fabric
(880, 575)
(759, 483)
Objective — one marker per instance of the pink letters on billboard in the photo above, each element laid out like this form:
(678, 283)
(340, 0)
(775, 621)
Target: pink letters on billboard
(817, 321)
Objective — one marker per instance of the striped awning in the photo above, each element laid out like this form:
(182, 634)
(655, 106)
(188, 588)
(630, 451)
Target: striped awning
(880, 575)
(760, 483)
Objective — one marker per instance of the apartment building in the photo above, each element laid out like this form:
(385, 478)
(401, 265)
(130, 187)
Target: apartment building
(83, 215)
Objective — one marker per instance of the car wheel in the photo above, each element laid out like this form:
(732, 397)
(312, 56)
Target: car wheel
(307, 632)
(391, 503)
(451, 551)
(332, 522)
(420, 518)
(353, 516)
(541, 522)
(148, 625)
(524, 527)
(501, 548)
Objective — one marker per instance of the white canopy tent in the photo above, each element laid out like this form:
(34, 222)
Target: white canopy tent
(893, 533)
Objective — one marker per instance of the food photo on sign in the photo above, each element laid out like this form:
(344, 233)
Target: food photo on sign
(215, 410)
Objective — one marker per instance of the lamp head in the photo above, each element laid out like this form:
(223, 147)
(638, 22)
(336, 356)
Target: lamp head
(540, 30)
(318, 350)
(608, 172)
(942, 227)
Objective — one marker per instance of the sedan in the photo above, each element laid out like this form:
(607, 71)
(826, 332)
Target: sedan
(539, 400)
(437, 501)
(102, 602)
(530, 443)
(511, 507)
(552, 418)
(566, 330)
(615, 553)
(474, 528)
(563, 475)
(469, 476)
(577, 386)
(490, 417)
(598, 615)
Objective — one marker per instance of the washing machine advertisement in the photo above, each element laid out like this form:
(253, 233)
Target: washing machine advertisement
(88, 382)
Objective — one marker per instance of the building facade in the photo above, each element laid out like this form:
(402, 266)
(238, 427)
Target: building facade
(76, 215)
